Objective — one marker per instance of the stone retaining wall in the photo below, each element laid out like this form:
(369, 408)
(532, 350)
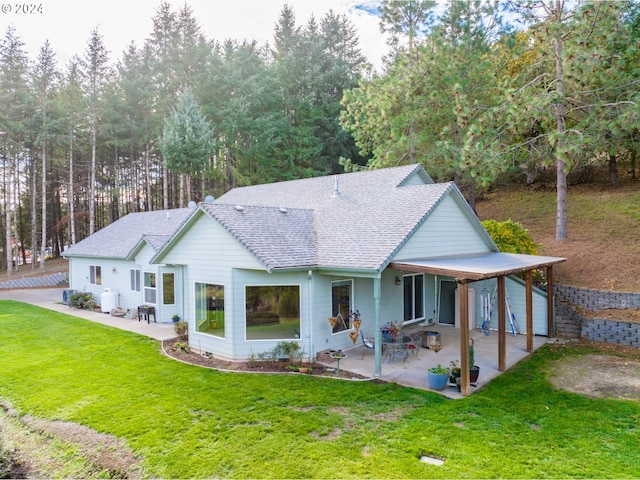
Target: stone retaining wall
(596, 300)
(570, 324)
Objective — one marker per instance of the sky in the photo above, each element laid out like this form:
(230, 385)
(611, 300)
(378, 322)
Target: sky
(68, 24)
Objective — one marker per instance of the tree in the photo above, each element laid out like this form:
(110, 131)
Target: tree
(186, 139)
(424, 108)
(406, 18)
(45, 79)
(71, 103)
(14, 97)
(95, 71)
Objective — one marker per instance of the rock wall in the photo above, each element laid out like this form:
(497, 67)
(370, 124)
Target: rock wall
(569, 301)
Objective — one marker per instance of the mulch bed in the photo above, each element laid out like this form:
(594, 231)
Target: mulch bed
(206, 360)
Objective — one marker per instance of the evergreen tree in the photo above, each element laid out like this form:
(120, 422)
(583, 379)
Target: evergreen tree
(44, 82)
(186, 140)
(96, 71)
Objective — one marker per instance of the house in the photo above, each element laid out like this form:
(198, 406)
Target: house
(270, 263)
(117, 258)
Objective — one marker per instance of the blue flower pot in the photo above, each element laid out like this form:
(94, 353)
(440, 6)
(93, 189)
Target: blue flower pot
(437, 381)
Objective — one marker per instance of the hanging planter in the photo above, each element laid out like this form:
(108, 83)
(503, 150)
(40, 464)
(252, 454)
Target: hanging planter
(356, 323)
(354, 336)
(333, 321)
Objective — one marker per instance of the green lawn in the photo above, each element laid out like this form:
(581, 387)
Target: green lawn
(190, 422)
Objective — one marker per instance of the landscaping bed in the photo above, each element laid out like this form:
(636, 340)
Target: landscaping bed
(173, 349)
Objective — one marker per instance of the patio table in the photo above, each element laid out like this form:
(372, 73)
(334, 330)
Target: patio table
(397, 347)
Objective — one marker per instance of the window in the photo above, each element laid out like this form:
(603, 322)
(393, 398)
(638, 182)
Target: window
(149, 287)
(210, 309)
(134, 276)
(341, 303)
(273, 312)
(413, 297)
(95, 275)
(168, 289)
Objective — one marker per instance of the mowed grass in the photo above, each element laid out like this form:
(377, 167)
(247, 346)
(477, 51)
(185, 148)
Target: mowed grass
(191, 422)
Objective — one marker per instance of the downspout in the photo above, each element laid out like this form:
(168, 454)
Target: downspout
(378, 333)
(310, 321)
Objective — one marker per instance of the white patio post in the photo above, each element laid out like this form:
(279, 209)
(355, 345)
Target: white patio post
(377, 333)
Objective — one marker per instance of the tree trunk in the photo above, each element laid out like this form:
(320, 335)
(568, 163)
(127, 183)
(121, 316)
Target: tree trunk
(92, 183)
(72, 216)
(43, 239)
(613, 169)
(633, 164)
(165, 187)
(147, 168)
(561, 166)
(34, 213)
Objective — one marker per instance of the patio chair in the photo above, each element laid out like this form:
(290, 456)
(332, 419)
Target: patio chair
(369, 344)
(413, 347)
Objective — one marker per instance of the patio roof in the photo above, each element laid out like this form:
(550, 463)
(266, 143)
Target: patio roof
(478, 266)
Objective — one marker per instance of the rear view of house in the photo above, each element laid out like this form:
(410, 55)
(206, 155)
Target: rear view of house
(270, 263)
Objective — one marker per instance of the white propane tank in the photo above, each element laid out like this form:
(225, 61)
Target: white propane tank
(108, 300)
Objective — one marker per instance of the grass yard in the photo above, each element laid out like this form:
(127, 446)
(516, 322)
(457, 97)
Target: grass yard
(188, 422)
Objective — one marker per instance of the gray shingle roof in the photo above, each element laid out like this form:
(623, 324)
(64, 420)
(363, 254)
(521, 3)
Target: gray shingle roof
(280, 238)
(119, 239)
(361, 227)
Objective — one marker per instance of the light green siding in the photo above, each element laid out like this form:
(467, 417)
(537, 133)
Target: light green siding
(447, 231)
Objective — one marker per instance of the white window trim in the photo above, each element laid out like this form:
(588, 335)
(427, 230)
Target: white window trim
(351, 304)
(93, 274)
(244, 308)
(144, 288)
(138, 280)
(413, 305)
(195, 322)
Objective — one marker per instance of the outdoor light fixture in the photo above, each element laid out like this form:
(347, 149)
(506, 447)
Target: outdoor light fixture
(398, 280)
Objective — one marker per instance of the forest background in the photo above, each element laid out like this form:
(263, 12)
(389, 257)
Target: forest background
(481, 93)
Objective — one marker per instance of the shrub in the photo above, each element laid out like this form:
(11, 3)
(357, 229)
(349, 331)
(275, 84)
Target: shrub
(83, 300)
(291, 350)
(182, 330)
(511, 237)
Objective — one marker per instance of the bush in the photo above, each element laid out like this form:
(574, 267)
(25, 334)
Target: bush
(83, 300)
(182, 330)
(291, 350)
(511, 237)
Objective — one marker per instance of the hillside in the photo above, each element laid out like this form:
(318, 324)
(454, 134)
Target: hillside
(603, 248)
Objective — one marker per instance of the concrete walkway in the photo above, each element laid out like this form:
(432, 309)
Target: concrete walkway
(51, 298)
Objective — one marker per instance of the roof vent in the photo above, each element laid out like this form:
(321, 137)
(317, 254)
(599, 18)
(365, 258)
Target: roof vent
(168, 215)
(283, 210)
(209, 199)
(192, 205)
(239, 208)
(336, 190)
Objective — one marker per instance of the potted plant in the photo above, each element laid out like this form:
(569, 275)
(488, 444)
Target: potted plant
(175, 318)
(474, 370)
(438, 377)
(454, 371)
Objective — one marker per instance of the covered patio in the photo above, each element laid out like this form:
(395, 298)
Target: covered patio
(466, 269)
(413, 371)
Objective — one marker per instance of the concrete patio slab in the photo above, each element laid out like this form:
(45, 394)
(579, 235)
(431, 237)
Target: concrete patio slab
(413, 371)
